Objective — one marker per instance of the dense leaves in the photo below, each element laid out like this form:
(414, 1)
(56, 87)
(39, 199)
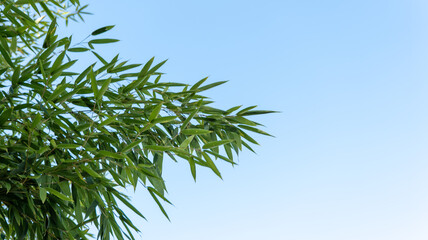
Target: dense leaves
(72, 139)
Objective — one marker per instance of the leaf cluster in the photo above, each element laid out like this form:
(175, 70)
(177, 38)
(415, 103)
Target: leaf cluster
(71, 140)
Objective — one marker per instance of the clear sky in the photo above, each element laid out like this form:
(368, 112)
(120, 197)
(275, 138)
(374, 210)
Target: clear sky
(350, 157)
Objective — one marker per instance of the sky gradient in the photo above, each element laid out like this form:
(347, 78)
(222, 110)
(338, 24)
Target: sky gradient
(349, 160)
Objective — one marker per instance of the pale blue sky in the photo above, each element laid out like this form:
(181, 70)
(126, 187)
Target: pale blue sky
(349, 161)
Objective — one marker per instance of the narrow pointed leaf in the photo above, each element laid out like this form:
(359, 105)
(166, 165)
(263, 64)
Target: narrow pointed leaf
(103, 88)
(130, 146)
(5, 115)
(253, 129)
(90, 171)
(6, 56)
(102, 30)
(42, 193)
(110, 154)
(93, 83)
(216, 144)
(153, 70)
(195, 131)
(146, 68)
(78, 49)
(58, 194)
(159, 204)
(186, 142)
(164, 119)
(211, 164)
(103, 41)
(155, 112)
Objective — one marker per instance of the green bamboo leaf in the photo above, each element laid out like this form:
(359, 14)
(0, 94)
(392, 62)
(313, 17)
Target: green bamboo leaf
(100, 58)
(78, 211)
(242, 120)
(131, 164)
(116, 229)
(81, 222)
(42, 194)
(3, 70)
(5, 115)
(67, 146)
(21, 14)
(110, 154)
(107, 121)
(90, 171)
(248, 146)
(91, 208)
(146, 68)
(78, 49)
(256, 112)
(51, 31)
(186, 141)
(15, 76)
(192, 167)
(66, 96)
(83, 127)
(159, 194)
(93, 83)
(195, 131)
(84, 74)
(128, 204)
(103, 41)
(147, 127)
(155, 112)
(199, 83)
(206, 87)
(58, 194)
(211, 164)
(102, 30)
(45, 54)
(246, 110)
(222, 157)
(131, 146)
(158, 203)
(14, 44)
(153, 70)
(47, 10)
(143, 169)
(59, 90)
(43, 149)
(247, 137)
(253, 129)
(158, 148)
(188, 119)
(53, 143)
(123, 68)
(36, 121)
(6, 56)
(58, 61)
(134, 84)
(103, 88)
(164, 119)
(216, 143)
(229, 111)
(61, 68)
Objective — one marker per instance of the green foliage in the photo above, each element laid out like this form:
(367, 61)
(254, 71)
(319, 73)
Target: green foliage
(71, 140)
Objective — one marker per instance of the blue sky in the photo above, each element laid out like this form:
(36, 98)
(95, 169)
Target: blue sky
(349, 160)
